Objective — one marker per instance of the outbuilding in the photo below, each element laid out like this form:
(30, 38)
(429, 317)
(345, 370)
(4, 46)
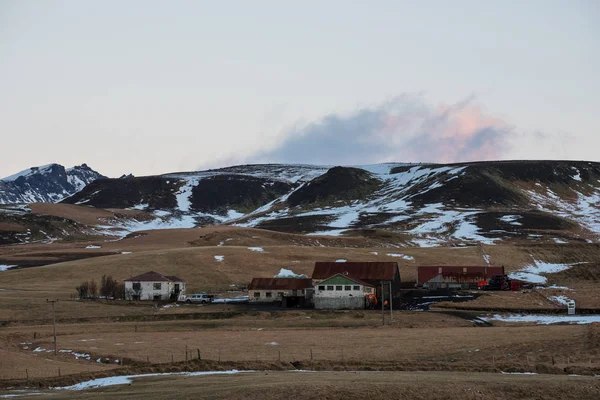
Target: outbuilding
(289, 292)
(455, 277)
(342, 292)
(155, 286)
(381, 275)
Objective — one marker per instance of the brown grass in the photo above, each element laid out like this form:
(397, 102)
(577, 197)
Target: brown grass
(351, 385)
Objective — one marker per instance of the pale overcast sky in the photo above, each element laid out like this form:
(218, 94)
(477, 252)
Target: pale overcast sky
(152, 87)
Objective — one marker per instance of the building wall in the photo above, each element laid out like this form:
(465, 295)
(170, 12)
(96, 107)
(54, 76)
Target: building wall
(339, 303)
(276, 295)
(340, 299)
(148, 292)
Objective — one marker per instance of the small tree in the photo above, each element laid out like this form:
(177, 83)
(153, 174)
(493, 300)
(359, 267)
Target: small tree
(92, 289)
(83, 290)
(119, 291)
(108, 286)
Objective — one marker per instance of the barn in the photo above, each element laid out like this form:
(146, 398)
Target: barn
(454, 277)
(342, 292)
(381, 275)
(289, 292)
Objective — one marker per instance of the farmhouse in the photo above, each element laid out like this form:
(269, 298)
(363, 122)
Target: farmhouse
(380, 275)
(155, 286)
(454, 277)
(289, 292)
(342, 292)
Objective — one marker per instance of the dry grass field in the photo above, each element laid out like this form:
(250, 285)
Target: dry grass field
(347, 386)
(143, 335)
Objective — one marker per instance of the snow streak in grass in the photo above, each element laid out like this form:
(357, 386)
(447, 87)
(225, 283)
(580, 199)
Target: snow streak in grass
(545, 319)
(127, 379)
(288, 273)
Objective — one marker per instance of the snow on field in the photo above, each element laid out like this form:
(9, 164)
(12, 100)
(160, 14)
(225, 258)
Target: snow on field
(553, 287)
(125, 252)
(127, 379)
(341, 260)
(564, 300)
(257, 249)
(288, 273)
(486, 258)
(93, 246)
(560, 241)
(6, 267)
(219, 258)
(531, 273)
(545, 319)
(404, 256)
(271, 344)
(238, 299)
(374, 253)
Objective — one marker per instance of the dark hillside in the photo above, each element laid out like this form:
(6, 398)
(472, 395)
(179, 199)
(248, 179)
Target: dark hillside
(220, 193)
(339, 183)
(155, 191)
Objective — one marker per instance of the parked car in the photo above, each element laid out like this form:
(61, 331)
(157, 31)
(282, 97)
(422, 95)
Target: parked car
(201, 298)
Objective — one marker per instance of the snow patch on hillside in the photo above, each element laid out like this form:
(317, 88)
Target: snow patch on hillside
(288, 273)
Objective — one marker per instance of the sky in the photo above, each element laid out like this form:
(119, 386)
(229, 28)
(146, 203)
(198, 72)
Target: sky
(149, 87)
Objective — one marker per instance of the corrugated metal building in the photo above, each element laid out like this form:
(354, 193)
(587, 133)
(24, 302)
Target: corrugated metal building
(454, 277)
(288, 291)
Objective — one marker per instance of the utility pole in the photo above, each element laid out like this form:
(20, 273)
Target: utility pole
(382, 306)
(391, 314)
(53, 322)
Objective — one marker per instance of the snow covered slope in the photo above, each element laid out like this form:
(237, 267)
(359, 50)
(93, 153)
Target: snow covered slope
(48, 183)
(428, 204)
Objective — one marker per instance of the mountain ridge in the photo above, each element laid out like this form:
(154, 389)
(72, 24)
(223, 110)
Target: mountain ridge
(47, 183)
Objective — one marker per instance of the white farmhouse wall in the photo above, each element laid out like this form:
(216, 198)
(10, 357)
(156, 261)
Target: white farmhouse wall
(148, 292)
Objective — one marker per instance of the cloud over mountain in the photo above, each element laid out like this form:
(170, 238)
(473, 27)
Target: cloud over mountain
(405, 128)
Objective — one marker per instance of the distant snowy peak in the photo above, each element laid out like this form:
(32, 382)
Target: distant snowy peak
(47, 183)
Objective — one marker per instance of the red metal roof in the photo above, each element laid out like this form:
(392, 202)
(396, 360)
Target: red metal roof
(457, 273)
(280, 284)
(152, 276)
(366, 271)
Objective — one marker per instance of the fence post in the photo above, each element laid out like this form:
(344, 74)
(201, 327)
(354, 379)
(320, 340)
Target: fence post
(219, 355)
(58, 371)
(311, 357)
(199, 358)
(279, 354)
(27, 373)
(171, 357)
(186, 353)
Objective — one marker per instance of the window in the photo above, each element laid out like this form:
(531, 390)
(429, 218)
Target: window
(256, 294)
(301, 291)
(329, 287)
(268, 294)
(280, 294)
(356, 287)
(439, 270)
(157, 297)
(464, 269)
(347, 287)
(321, 287)
(157, 285)
(338, 287)
(137, 286)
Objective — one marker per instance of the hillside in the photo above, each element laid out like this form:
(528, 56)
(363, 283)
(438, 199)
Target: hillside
(49, 183)
(433, 204)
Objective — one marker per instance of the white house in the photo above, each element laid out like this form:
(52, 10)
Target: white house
(155, 286)
(342, 292)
